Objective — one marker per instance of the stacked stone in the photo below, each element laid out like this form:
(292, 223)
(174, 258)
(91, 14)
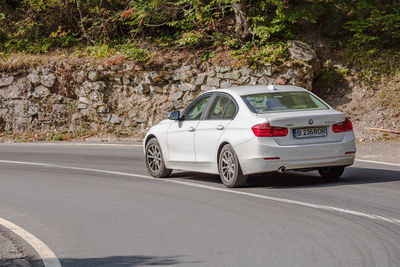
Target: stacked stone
(124, 97)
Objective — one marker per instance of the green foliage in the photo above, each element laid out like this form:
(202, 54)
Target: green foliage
(99, 51)
(134, 53)
(263, 55)
(375, 23)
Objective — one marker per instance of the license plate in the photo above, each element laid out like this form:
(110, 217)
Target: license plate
(310, 132)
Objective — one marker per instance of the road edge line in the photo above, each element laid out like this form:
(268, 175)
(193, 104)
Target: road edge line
(46, 255)
(378, 162)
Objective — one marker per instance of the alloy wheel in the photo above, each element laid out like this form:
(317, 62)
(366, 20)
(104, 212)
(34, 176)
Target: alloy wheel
(154, 158)
(228, 166)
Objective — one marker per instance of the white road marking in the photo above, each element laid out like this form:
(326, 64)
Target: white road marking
(277, 199)
(47, 256)
(378, 162)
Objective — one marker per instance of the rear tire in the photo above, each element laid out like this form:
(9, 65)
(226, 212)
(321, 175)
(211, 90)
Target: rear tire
(331, 173)
(155, 161)
(229, 168)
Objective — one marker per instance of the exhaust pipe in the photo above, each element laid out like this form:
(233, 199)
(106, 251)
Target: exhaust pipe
(282, 169)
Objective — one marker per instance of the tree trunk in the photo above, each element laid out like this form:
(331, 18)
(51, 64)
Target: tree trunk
(241, 13)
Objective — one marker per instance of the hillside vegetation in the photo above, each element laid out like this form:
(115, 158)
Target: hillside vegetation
(255, 29)
(357, 41)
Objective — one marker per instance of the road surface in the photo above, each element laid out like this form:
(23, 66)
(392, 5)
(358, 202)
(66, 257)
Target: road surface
(93, 205)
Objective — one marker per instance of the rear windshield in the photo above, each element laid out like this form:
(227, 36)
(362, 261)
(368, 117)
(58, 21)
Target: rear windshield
(283, 102)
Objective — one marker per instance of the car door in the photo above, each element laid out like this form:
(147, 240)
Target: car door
(180, 136)
(220, 113)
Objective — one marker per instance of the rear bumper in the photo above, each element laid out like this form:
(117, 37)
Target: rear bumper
(252, 153)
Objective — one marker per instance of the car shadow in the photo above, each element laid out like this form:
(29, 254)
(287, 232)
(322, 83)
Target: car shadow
(352, 175)
(120, 261)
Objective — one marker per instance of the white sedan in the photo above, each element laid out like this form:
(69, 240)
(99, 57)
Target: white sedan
(246, 130)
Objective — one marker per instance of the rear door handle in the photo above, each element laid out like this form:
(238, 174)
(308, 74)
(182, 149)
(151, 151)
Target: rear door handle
(220, 127)
(191, 129)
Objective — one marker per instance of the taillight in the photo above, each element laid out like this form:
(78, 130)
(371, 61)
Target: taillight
(266, 130)
(343, 126)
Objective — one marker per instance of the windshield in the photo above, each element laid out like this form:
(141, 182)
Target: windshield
(283, 102)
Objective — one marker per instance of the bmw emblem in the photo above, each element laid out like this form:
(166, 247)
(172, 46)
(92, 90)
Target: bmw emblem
(310, 122)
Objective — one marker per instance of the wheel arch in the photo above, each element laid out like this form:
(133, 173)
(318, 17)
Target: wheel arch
(150, 136)
(220, 148)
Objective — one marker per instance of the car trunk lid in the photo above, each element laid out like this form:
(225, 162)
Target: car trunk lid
(318, 122)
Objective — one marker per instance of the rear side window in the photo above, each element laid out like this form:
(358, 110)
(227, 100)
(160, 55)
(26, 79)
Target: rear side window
(230, 111)
(283, 102)
(217, 108)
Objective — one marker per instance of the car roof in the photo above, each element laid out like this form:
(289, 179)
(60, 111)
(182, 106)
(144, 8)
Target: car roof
(258, 89)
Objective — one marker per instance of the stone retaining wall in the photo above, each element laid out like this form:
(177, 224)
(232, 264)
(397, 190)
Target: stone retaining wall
(118, 96)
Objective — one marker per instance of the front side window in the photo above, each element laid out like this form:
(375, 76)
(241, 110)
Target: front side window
(194, 111)
(283, 102)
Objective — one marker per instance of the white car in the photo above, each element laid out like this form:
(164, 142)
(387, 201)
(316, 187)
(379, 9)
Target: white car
(252, 129)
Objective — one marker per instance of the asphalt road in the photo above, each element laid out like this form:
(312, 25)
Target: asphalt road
(92, 218)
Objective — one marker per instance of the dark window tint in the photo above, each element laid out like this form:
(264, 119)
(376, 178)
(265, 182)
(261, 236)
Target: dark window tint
(217, 108)
(283, 102)
(230, 110)
(195, 110)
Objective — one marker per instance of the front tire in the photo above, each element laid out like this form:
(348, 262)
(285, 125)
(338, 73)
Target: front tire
(229, 168)
(331, 173)
(155, 161)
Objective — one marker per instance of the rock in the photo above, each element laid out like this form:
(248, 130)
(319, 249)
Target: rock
(280, 81)
(188, 97)
(34, 78)
(226, 84)
(156, 89)
(155, 76)
(94, 76)
(143, 88)
(225, 69)
(302, 51)
(5, 81)
(262, 81)
(82, 106)
(200, 79)
(101, 109)
(33, 110)
(98, 86)
(211, 74)
(41, 92)
(83, 100)
(253, 81)
(244, 80)
(114, 119)
(107, 118)
(176, 96)
(206, 88)
(213, 82)
(245, 71)
(184, 76)
(187, 87)
(94, 96)
(232, 75)
(48, 80)
(129, 66)
(132, 114)
(125, 79)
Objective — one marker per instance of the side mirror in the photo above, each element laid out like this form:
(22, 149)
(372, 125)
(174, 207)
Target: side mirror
(174, 115)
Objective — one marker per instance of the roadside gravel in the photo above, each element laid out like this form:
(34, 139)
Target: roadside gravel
(12, 254)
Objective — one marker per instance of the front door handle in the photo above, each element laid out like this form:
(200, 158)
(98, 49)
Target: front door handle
(220, 127)
(191, 129)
